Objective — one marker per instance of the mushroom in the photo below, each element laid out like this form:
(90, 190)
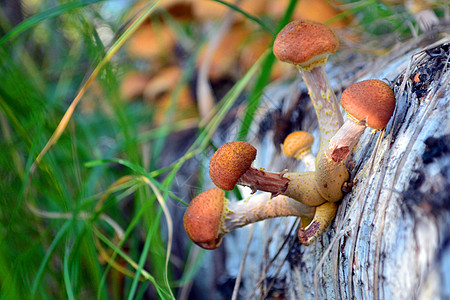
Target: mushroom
(210, 215)
(298, 145)
(370, 102)
(367, 103)
(231, 164)
(307, 45)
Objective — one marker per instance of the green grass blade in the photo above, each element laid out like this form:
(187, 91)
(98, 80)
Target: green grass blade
(66, 273)
(8, 288)
(161, 292)
(248, 16)
(45, 15)
(49, 254)
(106, 59)
(254, 97)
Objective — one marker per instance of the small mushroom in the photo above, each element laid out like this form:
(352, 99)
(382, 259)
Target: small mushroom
(298, 145)
(210, 215)
(231, 164)
(367, 103)
(307, 45)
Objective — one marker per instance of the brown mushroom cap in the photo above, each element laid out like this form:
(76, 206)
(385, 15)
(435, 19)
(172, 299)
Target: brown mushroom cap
(297, 142)
(230, 162)
(203, 218)
(372, 100)
(305, 43)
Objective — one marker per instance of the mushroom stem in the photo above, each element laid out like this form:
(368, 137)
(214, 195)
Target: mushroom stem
(323, 216)
(260, 207)
(345, 140)
(329, 175)
(261, 180)
(302, 187)
(308, 159)
(324, 101)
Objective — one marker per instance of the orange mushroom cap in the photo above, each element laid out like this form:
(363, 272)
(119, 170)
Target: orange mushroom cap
(230, 162)
(371, 100)
(203, 218)
(305, 43)
(297, 142)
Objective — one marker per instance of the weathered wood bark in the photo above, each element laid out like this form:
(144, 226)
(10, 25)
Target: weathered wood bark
(391, 237)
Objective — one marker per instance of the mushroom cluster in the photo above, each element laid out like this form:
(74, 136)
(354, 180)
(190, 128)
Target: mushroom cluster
(310, 195)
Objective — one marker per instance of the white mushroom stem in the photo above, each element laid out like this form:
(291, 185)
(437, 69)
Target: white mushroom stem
(345, 140)
(329, 176)
(260, 207)
(308, 159)
(324, 101)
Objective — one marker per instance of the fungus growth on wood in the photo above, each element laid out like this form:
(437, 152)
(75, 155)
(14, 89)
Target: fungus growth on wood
(311, 195)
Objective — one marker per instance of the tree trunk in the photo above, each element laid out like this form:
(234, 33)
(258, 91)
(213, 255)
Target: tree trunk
(390, 238)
